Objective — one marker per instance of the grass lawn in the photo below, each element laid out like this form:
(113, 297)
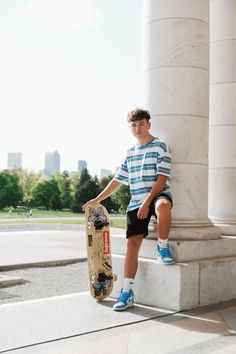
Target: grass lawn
(20, 214)
(42, 213)
(37, 213)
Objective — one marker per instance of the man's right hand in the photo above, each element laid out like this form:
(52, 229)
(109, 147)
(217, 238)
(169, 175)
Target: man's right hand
(90, 203)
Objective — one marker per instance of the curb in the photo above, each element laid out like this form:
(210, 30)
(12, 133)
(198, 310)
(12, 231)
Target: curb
(43, 264)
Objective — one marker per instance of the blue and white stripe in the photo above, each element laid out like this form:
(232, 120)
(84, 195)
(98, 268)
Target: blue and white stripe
(141, 168)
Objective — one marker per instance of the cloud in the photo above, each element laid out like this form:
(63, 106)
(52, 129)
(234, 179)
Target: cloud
(59, 13)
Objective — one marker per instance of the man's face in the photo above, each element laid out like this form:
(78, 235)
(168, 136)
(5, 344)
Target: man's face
(140, 128)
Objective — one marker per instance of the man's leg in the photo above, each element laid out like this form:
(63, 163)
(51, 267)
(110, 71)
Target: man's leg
(126, 298)
(163, 213)
(131, 257)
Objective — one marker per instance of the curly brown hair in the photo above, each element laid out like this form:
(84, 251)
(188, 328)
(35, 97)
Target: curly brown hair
(138, 114)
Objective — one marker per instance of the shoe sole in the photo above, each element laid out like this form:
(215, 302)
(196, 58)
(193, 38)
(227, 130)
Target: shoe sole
(123, 308)
(160, 262)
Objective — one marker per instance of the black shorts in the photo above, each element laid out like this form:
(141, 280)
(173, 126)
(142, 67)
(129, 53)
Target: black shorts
(137, 226)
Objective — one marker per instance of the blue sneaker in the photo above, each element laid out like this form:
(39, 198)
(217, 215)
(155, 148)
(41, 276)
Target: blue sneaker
(164, 256)
(124, 300)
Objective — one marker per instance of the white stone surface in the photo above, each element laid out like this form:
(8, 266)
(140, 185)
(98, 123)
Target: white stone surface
(31, 322)
(223, 147)
(223, 104)
(222, 143)
(164, 9)
(176, 65)
(223, 52)
(183, 285)
(6, 280)
(190, 196)
(177, 91)
(172, 288)
(192, 129)
(177, 48)
(218, 279)
(182, 251)
(222, 19)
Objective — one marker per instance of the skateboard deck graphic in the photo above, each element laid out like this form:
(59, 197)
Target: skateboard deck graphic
(101, 276)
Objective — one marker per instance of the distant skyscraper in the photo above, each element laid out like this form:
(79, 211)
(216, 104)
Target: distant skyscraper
(52, 163)
(82, 165)
(105, 172)
(14, 160)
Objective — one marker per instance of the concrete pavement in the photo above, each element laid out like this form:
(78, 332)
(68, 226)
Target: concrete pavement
(77, 324)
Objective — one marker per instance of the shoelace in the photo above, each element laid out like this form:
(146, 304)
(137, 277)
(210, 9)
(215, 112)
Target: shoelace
(165, 252)
(124, 296)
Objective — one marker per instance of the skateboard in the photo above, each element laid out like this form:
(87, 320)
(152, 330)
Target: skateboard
(101, 276)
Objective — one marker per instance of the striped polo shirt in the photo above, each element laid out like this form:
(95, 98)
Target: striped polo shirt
(141, 168)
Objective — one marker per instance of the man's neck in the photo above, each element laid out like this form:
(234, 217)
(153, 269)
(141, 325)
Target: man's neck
(145, 140)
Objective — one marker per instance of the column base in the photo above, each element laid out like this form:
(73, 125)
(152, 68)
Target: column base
(226, 227)
(188, 231)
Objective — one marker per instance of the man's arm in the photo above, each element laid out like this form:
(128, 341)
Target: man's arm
(109, 190)
(156, 188)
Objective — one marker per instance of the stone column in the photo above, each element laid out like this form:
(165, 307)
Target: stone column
(222, 162)
(176, 80)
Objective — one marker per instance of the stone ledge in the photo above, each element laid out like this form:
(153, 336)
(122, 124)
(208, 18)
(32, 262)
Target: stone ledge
(6, 280)
(183, 251)
(181, 286)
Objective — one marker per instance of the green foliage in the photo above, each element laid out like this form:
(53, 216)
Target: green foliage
(62, 191)
(122, 197)
(47, 194)
(65, 187)
(86, 189)
(10, 190)
(108, 203)
(28, 181)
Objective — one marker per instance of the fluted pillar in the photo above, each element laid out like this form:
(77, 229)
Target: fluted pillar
(222, 162)
(176, 79)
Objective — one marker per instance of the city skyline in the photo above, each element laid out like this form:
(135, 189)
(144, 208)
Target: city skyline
(12, 157)
(68, 77)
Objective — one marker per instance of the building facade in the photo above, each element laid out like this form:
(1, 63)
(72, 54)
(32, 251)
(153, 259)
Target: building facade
(52, 163)
(82, 165)
(14, 160)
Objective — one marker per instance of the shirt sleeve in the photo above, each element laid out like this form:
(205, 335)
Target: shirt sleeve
(122, 175)
(164, 161)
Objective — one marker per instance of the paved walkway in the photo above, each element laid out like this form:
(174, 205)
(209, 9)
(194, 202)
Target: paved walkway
(75, 323)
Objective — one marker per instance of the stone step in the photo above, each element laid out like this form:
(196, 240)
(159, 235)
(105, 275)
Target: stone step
(180, 286)
(6, 280)
(182, 251)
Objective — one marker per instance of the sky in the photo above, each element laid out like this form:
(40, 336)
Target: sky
(70, 70)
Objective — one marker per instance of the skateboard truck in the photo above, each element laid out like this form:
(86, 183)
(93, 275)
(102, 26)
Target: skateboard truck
(100, 224)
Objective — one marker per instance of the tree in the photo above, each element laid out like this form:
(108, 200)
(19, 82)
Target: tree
(108, 203)
(122, 197)
(86, 189)
(28, 181)
(47, 194)
(65, 187)
(10, 190)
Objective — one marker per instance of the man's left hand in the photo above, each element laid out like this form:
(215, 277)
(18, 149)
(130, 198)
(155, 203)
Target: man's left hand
(143, 211)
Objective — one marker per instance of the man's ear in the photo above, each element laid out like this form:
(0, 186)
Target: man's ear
(149, 124)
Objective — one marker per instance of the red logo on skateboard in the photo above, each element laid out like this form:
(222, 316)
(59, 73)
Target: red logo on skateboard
(106, 242)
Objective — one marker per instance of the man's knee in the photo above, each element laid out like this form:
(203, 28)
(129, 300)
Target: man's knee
(134, 242)
(163, 207)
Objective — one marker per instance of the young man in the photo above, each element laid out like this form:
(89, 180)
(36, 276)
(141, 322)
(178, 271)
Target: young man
(146, 169)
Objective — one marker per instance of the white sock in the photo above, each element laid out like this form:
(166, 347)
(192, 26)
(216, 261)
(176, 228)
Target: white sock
(128, 284)
(162, 243)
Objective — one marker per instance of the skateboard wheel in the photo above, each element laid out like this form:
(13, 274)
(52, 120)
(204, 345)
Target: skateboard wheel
(115, 277)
